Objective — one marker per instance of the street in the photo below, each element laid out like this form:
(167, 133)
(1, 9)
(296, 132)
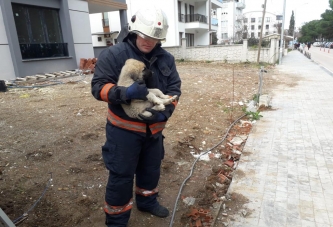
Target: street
(323, 57)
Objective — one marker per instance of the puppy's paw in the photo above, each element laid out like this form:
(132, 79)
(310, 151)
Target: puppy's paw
(160, 107)
(173, 98)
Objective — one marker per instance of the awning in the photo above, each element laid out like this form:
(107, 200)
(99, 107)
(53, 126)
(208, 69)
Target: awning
(100, 6)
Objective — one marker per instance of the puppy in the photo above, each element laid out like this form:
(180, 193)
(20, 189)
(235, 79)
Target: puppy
(135, 70)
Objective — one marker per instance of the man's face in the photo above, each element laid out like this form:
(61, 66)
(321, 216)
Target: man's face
(145, 45)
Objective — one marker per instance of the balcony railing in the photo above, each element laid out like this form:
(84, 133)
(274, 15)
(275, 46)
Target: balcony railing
(105, 22)
(181, 17)
(196, 18)
(43, 50)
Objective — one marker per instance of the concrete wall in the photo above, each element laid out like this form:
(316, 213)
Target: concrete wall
(228, 53)
(6, 63)
(80, 23)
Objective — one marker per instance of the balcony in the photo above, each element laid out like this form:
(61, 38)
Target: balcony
(240, 5)
(195, 18)
(181, 17)
(43, 50)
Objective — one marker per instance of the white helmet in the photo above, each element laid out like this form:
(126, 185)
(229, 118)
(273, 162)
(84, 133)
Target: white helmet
(149, 23)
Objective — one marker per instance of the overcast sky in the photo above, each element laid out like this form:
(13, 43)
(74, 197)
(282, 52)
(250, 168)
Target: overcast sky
(304, 10)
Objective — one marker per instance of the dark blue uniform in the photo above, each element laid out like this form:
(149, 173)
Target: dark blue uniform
(132, 147)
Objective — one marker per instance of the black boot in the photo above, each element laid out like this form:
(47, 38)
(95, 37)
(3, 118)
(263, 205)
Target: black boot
(158, 211)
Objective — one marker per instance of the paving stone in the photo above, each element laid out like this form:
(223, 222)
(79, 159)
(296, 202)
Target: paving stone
(296, 142)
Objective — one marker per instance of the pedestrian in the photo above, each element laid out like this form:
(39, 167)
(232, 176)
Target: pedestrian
(309, 45)
(134, 148)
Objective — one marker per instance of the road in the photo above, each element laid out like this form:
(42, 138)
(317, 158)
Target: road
(323, 57)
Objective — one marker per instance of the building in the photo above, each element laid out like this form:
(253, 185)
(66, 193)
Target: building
(195, 20)
(253, 22)
(43, 36)
(231, 18)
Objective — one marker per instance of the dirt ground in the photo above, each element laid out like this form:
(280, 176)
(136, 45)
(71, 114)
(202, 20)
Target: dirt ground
(50, 149)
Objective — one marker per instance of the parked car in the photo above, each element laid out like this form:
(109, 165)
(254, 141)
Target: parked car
(331, 46)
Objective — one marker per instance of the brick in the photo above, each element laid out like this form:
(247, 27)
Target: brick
(83, 62)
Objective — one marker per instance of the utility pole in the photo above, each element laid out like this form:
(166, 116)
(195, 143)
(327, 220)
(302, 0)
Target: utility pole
(282, 31)
(262, 26)
(233, 22)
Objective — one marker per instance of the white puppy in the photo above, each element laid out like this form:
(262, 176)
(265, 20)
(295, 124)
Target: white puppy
(135, 70)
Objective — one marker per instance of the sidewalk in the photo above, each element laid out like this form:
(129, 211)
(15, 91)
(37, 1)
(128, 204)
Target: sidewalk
(286, 169)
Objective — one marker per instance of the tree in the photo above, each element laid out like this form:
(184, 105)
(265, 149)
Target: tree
(291, 25)
(319, 28)
(327, 22)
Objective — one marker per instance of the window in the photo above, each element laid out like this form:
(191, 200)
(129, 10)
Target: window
(267, 26)
(189, 39)
(253, 20)
(39, 32)
(258, 34)
(266, 33)
(259, 26)
(252, 27)
(259, 19)
(252, 34)
(245, 20)
(224, 35)
(181, 17)
(268, 19)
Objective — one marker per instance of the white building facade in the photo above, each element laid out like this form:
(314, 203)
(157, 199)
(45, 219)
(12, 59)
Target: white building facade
(194, 20)
(231, 21)
(253, 23)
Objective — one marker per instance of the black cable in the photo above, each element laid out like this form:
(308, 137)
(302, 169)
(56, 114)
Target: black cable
(23, 216)
(181, 187)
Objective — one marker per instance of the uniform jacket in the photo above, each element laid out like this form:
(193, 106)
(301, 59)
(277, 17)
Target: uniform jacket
(107, 70)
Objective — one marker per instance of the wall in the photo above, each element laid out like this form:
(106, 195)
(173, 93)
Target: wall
(79, 18)
(6, 63)
(229, 53)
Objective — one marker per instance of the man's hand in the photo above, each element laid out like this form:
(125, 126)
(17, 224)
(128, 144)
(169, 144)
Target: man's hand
(138, 90)
(154, 118)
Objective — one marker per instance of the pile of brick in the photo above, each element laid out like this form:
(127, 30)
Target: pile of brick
(88, 64)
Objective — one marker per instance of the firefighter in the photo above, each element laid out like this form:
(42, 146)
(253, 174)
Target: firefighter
(134, 148)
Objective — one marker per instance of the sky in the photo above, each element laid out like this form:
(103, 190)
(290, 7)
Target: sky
(304, 10)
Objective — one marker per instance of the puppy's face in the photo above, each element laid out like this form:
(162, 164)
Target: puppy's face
(137, 70)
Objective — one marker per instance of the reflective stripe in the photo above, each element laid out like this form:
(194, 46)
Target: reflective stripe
(145, 192)
(118, 209)
(105, 92)
(129, 125)
(133, 125)
(155, 128)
